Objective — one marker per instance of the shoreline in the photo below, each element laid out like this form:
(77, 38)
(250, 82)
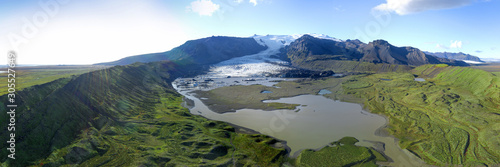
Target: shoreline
(382, 132)
(379, 132)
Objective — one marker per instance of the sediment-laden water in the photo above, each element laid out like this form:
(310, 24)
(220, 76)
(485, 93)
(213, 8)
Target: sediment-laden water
(314, 124)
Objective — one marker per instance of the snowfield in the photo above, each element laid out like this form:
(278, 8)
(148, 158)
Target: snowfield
(472, 62)
(261, 63)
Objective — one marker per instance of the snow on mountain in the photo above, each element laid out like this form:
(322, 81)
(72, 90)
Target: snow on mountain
(275, 41)
(260, 63)
(283, 40)
(472, 62)
(323, 36)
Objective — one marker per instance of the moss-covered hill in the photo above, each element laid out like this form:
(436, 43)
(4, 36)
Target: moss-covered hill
(452, 118)
(340, 153)
(124, 116)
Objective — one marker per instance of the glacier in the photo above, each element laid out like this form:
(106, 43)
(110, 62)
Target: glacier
(262, 63)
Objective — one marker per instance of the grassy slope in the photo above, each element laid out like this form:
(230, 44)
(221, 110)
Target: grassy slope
(167, 136)
(125, 116)
(30, 76)
(340, 153)
(452, 118)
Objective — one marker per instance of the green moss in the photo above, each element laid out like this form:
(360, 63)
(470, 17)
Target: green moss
(441, 65)
(341, 153)
(282, 106)
(444, 120)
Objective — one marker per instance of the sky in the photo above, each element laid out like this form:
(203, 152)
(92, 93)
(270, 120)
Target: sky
(56, 32)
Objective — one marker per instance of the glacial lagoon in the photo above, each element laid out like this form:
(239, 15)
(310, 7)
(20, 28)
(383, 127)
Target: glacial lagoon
(314, 124)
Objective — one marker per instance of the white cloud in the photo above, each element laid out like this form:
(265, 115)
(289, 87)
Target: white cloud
(453, 45)
(254, 2)
(442, 46)
(403, 7)
(456, 44)
(203, 7)
(339, 8)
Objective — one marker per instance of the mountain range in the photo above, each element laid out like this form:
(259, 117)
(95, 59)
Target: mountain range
(456, 56)
(302, 51)
(308, 50)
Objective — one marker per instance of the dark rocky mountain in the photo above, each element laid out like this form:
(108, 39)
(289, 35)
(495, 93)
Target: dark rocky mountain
(305, 52)
(456, 56)
(380, 51)
(309, 50)
(201, 51)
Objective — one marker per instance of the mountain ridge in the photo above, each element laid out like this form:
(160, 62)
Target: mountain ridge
(200, 51)
(456, 56)
(309, 52)
(206, 51)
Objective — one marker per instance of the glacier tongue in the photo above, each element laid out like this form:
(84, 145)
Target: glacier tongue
(260, 63)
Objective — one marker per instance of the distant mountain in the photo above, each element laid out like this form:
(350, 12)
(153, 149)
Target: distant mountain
(201, 51)
(456, 56)
(309, 50)
(494, 60)
(381, 51)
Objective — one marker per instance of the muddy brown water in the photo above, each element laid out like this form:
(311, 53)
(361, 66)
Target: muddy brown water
(313, 125)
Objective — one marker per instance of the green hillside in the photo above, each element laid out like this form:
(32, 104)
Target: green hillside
(340, 153)
(124, 116)
(452, 118)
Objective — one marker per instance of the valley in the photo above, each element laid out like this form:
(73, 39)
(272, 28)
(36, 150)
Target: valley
(202, 104)
(250, 83)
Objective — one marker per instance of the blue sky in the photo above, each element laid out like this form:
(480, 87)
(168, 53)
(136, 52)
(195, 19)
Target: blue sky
(92, 31)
